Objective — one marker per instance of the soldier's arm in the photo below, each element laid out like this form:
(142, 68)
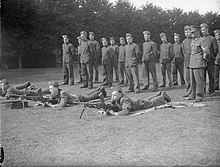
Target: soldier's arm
(98, 49)
(155, 51)
(215, 47)
(125, 109)
(63, 100)
(171, 52)
(72, 49)
(138, 52)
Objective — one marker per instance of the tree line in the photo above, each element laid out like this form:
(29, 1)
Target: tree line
(31, 30)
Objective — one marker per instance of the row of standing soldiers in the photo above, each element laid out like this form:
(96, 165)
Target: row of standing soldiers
(191, 58)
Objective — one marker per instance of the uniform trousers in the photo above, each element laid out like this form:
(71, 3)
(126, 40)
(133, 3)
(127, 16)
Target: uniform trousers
(166, 67)
(149, 68)
(107, 74)
(115, 67)
(187, 79)
(210, 69)
(79, 69)
(87, 74)
(217, 69)
(96, 67)
(197, 83)
(180, 68)
(133, 77)
(122, 72)
(68, 72)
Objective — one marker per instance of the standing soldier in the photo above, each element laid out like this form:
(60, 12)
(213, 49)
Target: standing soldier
(107, 64)
(132, 52)
(210, 48)
(121, 60)
(217, 60)
(68, 53)
(177, 63)
(79, 54)
(197, 66)
(96, 55)
(115, 57)
(86, 61)
(149, 57)
(166, 56)
(186, 45)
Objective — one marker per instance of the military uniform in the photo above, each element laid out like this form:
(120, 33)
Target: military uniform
(107, 65)
(166, 56)
(126, 105)
(197, 67)
(217, 62)
(186, 47)
(96, 56)
(121, 63)
(149, 57)
(132, 52)
(177, 63)
(68, 53)
(114, 56)
(86, 60)
(210, 48)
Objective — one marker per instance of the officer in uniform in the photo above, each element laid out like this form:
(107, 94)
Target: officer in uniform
(96, 54)
(150, 54)
(121, 60)
(186, 47)
(64, 98)
(197, 66)
(107, 63)
(177, 63)
(122, 105)
(132, 53)
(86, 61)
(68, 53)
(166, 56)
(217, 59)
(115, 48)
(210, 48)
(79, 54)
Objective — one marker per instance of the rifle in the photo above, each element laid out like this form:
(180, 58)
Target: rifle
(97, 104)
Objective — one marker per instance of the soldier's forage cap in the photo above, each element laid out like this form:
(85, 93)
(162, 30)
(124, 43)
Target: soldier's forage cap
(112, 39)
(104, 39)
(122, 38)
(187, 28)
(128, 35)
(117, 88)
(83, 32)
(53, 84)
(175, 34)
(194, 28)
(79, 37)
(4, 81)
(204, 25)
(162, 34)
(217, 31)
(65, 36)
(91, 33)
(146, 32)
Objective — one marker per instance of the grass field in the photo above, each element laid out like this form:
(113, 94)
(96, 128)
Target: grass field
(39, 136)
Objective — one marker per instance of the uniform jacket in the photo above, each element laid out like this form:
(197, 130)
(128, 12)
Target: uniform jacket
(186, 46)
(132, 53)
(217, 59)
(86, 52)
(210, 47)
(196, 59)
(121, 55)
(166, 52)
(68, 52)
(96, 49)
(106, 55)
(115, 52)
(150, 51)
(178, 53)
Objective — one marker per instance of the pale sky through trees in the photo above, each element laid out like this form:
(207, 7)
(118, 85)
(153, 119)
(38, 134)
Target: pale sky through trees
(202, 6)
